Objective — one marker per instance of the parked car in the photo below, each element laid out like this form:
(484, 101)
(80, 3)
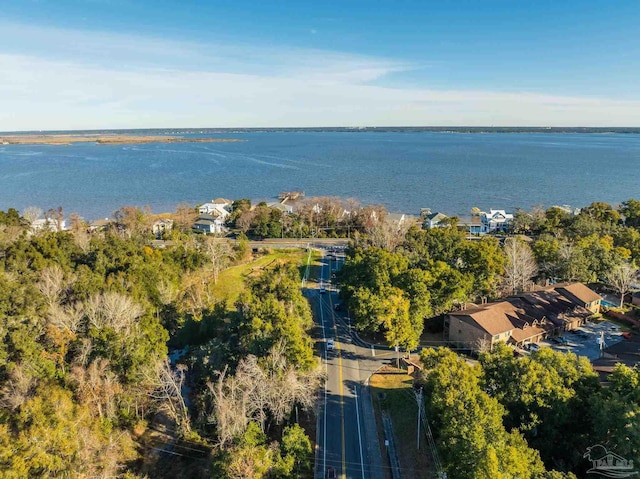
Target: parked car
(626, 335)
(532, 347)
(338, 307)
(331, 473)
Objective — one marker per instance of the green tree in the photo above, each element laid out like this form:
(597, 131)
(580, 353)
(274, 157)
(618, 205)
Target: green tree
(396, 320)
(602, 212)
(296, 452)
(630, 209)
(468, 423)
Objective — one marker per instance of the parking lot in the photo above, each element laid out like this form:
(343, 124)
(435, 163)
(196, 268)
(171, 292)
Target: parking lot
(586, 343)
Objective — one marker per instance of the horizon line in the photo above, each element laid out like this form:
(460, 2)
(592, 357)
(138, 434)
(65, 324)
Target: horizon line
(363, 127)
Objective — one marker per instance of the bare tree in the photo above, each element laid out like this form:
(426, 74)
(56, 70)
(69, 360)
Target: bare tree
(389, 234)
(55, 218)
(83, 351)
(184, 216)
(31, 214)
(19, 387)
(98, 387)
(620, 278)
(195, 296)
(78, 228)
(132, 220)
(113, 310)
(260, 391)
(67, 318)
(220, 253)
(167, 392)
(231, 412)
(521, 265)
(51, 283)
(482, 345)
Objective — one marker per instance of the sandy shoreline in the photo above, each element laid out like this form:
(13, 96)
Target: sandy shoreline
(103, 139)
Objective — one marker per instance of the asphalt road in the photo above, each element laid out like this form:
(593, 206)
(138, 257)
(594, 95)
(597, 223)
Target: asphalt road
(347, 436)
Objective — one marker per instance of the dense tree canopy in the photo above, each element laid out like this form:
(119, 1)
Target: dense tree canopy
(85, 320)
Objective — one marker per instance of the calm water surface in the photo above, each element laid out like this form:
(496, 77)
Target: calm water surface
(403, 171)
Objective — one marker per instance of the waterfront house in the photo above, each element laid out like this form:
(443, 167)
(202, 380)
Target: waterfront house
(100, 225)
(433, 220)
(210, 225)
(284, 208)
(524, 318)
(472, 224)
(495, 221)
(48, 224)
(219, 208)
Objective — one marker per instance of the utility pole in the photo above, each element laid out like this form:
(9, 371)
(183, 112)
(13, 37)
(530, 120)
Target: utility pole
(419, 416)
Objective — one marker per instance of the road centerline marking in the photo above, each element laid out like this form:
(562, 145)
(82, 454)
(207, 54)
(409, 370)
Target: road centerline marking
(339, 348)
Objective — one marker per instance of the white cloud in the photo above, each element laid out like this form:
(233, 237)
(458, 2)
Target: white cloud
(194, 85)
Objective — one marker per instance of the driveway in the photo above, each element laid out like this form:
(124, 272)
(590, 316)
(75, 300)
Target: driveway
(589, 345)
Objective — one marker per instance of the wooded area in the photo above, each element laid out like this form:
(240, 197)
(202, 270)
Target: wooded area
(86, 385)
(87, 319)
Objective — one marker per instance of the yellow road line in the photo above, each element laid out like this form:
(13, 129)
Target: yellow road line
(339, 348)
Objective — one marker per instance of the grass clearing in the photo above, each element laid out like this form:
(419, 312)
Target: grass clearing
(231, 281)
(394, 394)
(315, 266)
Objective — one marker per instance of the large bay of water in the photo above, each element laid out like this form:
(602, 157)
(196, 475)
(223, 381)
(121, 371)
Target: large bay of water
(405, 171)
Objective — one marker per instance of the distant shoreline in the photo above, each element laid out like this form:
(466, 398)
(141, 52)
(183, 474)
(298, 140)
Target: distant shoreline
(159, 133)
(55, 139)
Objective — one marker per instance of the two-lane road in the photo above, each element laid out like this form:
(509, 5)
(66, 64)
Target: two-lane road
(347, 437)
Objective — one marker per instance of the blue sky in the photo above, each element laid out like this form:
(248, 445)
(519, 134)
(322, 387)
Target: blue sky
(126, 64)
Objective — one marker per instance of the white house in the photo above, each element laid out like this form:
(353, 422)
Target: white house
(495, 220)
(210, 225)
(219, 208)
(49, 224)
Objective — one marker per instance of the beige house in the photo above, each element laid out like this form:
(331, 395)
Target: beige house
(525, 318)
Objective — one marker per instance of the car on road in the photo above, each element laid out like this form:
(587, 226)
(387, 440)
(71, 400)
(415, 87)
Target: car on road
(626, 335)
(330, 345)
(331, 473)
(322, 290)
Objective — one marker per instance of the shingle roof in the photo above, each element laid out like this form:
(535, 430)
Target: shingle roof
(491, 317)
(437, 214)
(579, 291)
(556, 304)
